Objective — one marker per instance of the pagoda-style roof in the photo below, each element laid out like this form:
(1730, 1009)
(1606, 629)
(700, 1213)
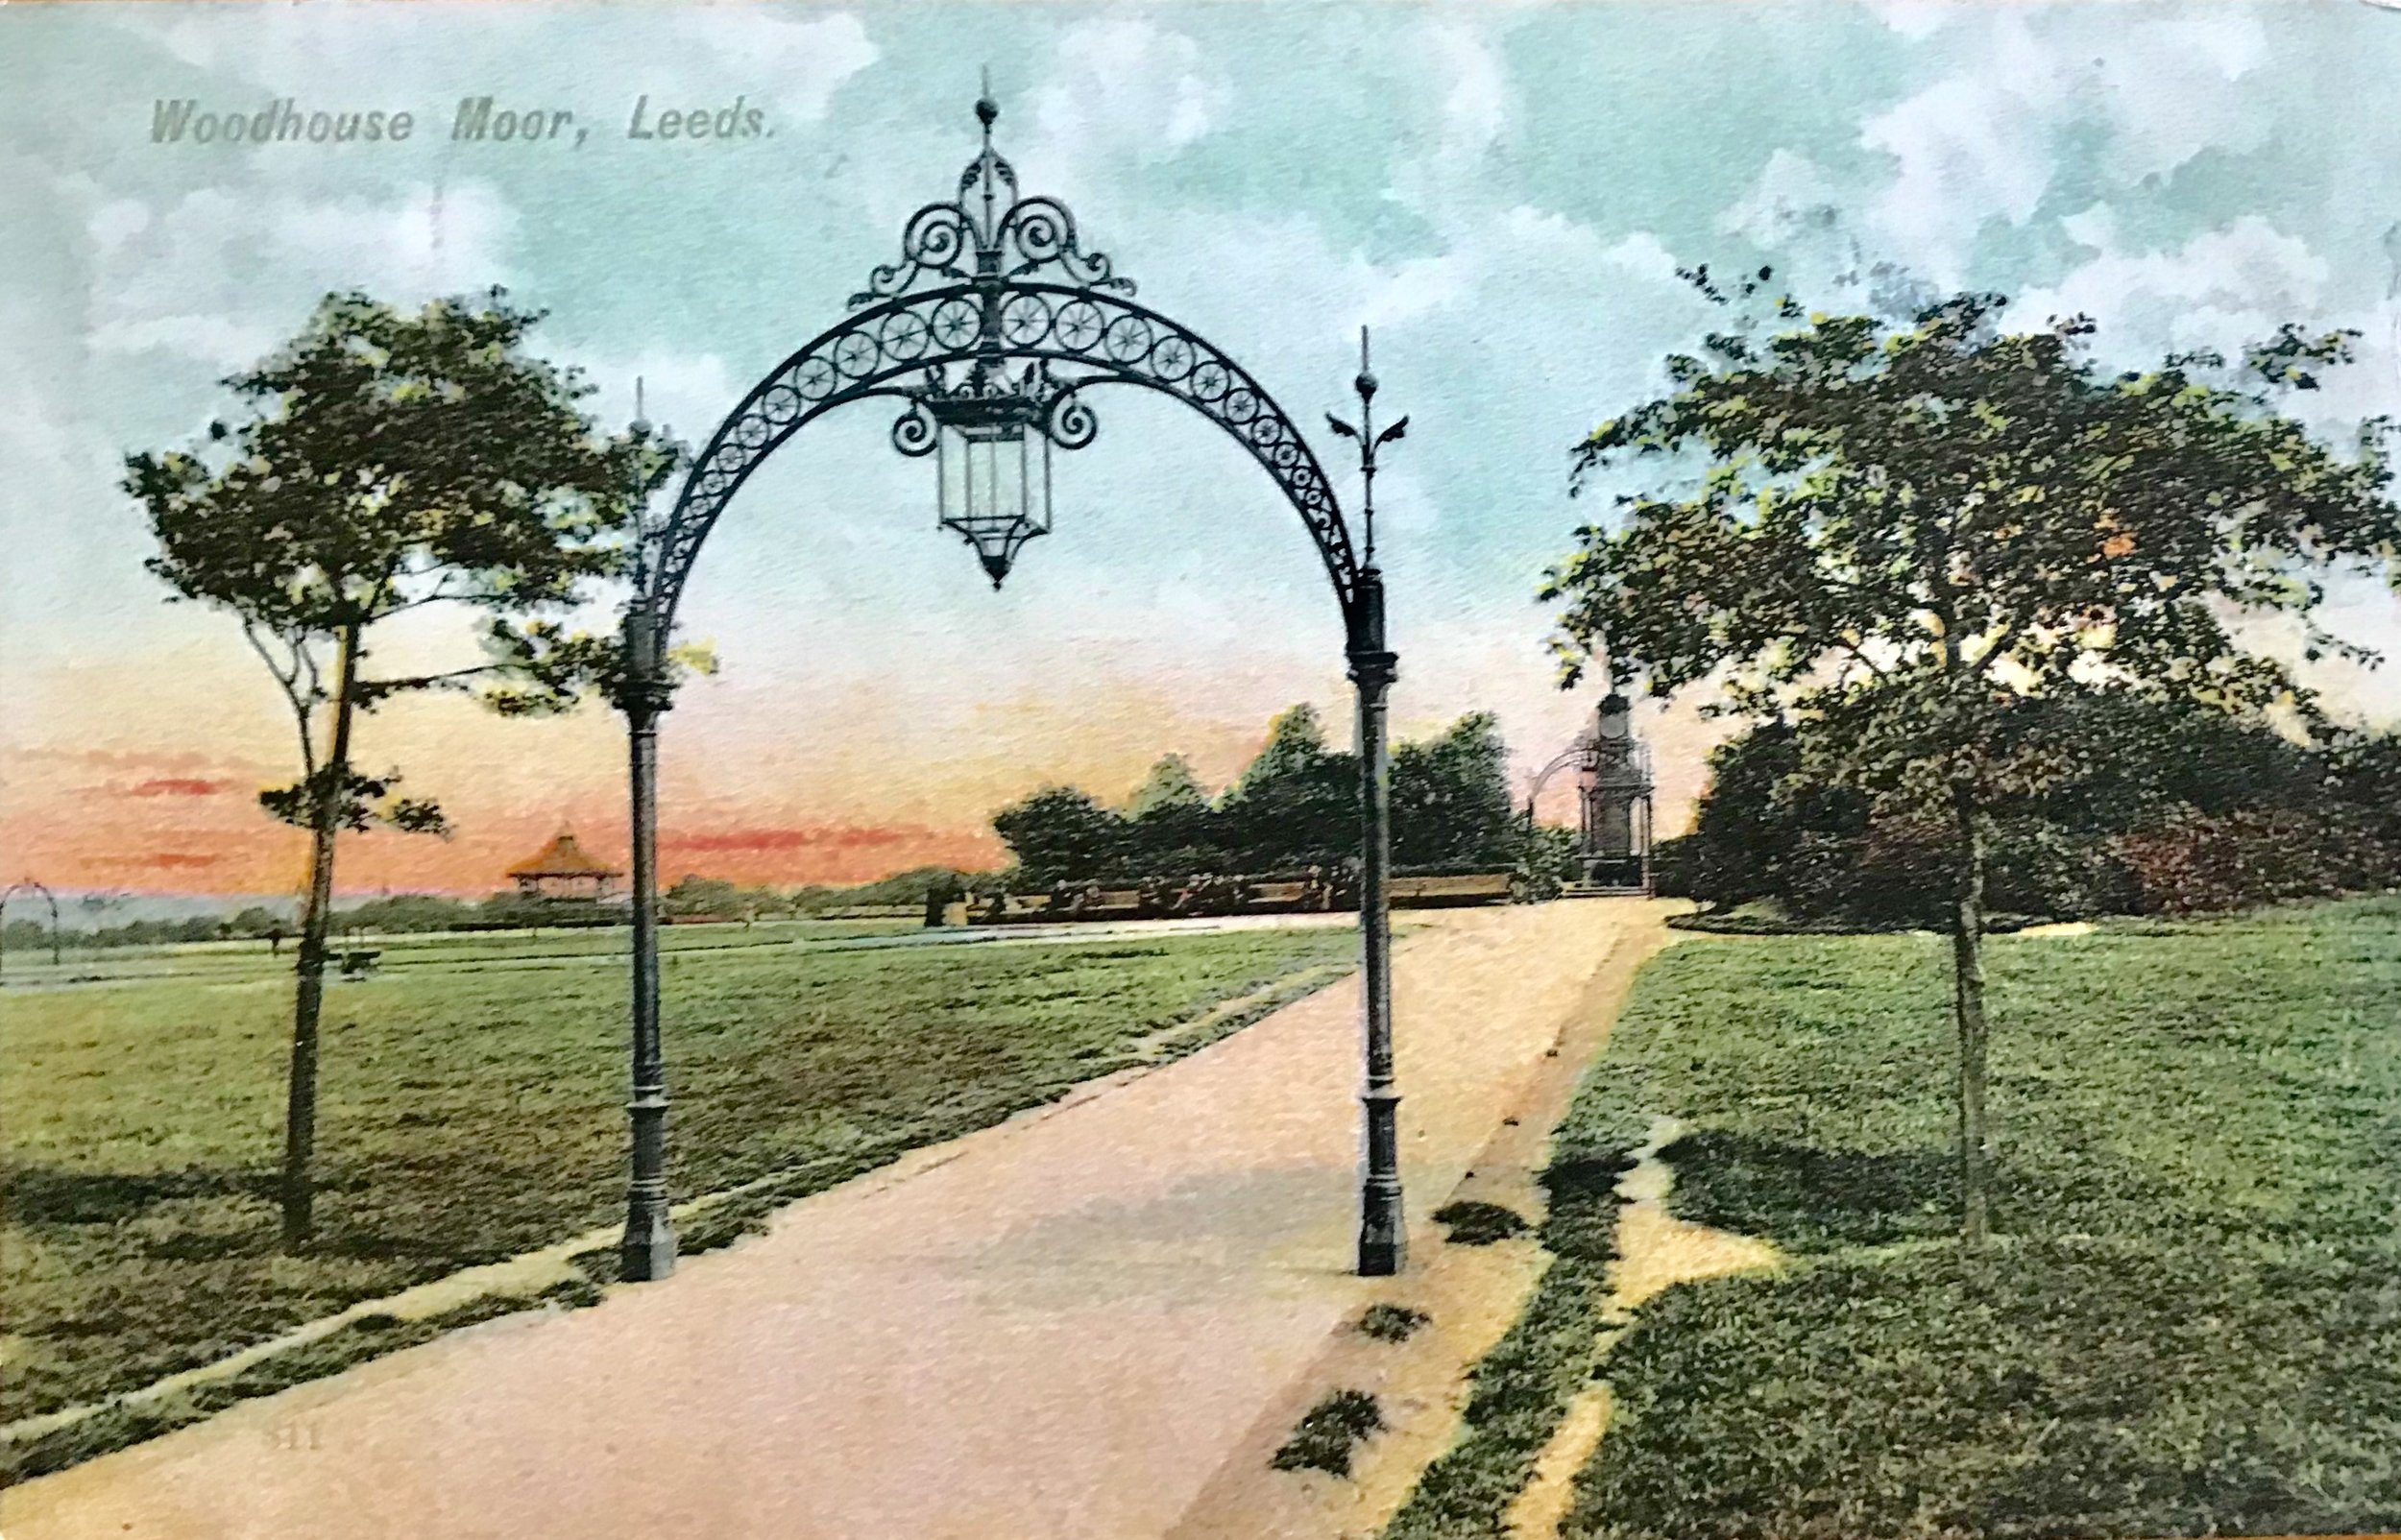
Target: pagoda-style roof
(562, 858)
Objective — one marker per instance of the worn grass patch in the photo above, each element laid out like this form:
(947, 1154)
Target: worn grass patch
(2192, 1323)
(472, 1109)
(1521, 1389)
(1329, 1432)
(119, 1425)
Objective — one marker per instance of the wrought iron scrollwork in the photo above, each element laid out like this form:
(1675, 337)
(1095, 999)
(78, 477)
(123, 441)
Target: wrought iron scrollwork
(1020, 308)
(1074, 338)
(1068, 423)
(989, 230)
(913, 431)
(1580, 756)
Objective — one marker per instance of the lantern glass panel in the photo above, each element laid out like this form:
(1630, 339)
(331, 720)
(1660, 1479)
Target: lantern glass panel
(993, 488)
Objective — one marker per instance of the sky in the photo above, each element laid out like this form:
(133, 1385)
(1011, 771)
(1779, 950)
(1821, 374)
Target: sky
(1501, 192)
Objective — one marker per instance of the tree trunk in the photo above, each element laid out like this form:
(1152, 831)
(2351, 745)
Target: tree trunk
(300, 1107)
(1966, 966)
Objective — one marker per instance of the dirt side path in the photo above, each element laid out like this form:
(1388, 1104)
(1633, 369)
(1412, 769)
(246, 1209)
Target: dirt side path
(1059, 1326)
(1471, 1294)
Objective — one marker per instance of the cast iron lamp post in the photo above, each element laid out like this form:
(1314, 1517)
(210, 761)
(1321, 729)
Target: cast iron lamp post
(988, 331)
(1383, 1238)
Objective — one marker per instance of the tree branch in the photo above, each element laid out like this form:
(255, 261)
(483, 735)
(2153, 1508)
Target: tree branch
(303, 701)
(375, 689)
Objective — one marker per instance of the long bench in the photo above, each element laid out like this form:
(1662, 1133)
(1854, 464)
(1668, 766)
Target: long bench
(1267, 897)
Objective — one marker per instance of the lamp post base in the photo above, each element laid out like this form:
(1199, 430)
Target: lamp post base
(1383, 1236)
(647, 1252)
(1381, 1258)
(1383, 1249)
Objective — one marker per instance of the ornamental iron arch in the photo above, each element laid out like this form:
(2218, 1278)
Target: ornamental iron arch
(1066, 341)
(992, 325)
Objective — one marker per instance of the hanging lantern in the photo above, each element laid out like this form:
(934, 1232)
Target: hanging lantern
(991, 437)
(992, 468)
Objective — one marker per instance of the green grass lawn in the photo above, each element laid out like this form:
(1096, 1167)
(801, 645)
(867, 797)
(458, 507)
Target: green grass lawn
(230, 961)
(2191, 1322)
(472, 1108)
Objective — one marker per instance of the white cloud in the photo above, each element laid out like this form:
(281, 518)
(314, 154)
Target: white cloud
(1474, 108)
(2219, 290)
(1479, 106)
(1124, 87)
(330, 47)
(1914, 19)
(1971, 147)
(190, 278)
(1793, 199)
(2169, 98)
(113, 224)
(1983, 142)
(795, 65)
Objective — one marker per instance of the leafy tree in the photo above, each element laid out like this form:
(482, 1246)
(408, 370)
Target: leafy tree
(255, 921)
(1296, 802)
(1172, 826)
(1060, 832)
(1450, 798)
(697, 896)
(1295, 744)
(388, 462)
(1917, 532)
(908, 887)
(411, 911)
(1170, 787)
(1772, 825)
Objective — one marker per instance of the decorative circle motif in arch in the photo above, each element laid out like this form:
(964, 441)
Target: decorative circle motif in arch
(904, 335)
(780, 404)
(1078, 326)
(955, 323)
(926, 346)
(1127, 339)
(816, 378)
(1172, 359)
(1025, 320)
(1210, 381)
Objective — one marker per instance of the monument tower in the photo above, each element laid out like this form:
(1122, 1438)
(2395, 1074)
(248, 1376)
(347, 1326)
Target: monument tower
(1615, 784)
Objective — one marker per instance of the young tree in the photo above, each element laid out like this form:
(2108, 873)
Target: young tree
(389, 462)
(1910, 531)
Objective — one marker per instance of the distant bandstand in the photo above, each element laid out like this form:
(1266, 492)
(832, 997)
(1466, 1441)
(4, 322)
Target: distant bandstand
(563, 870)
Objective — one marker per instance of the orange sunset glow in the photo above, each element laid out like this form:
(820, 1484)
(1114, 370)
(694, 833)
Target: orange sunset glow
(111, 786)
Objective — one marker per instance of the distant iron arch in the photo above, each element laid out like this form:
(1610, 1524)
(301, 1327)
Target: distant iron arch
(30, 887)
